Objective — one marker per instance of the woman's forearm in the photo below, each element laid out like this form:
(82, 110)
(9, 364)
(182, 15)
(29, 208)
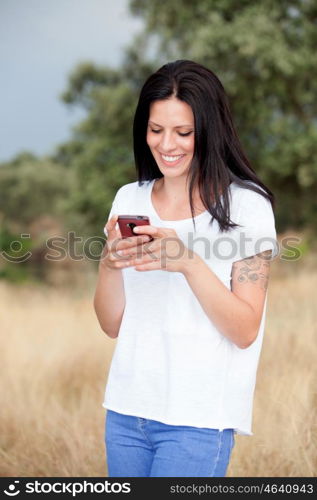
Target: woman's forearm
(232, 316)
(109, 300)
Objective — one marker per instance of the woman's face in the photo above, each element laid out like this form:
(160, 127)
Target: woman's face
(170, 136)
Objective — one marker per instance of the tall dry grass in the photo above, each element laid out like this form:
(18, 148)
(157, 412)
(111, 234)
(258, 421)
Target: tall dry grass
(54, 366)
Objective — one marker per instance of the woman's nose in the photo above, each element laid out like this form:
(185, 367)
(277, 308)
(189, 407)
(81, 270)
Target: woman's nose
(167, 143)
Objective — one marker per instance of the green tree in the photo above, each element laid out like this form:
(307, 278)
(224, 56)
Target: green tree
(32, 187)
(263, 52)
(33, 194)
(100, 152)
(265, 55)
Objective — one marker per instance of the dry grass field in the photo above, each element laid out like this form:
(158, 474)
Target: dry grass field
(54, 367)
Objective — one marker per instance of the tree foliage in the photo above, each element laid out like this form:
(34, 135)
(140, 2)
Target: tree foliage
(32, 187)
(264, 54)
(101, 151)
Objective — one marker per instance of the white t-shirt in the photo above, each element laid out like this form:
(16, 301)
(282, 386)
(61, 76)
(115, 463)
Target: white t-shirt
(171, 363)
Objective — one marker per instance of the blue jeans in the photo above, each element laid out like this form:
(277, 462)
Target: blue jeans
(139, 447)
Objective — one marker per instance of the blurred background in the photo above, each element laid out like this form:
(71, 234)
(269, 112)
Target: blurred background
(71, 73)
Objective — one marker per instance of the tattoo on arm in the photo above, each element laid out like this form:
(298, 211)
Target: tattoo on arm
(253, 269)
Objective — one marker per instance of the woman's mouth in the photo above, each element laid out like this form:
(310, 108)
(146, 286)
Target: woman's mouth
(171, 160)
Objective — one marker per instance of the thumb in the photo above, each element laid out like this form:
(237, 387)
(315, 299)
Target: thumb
(153, 231)
(110, 228)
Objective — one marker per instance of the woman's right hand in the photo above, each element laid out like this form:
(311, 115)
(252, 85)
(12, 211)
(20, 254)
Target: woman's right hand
(110, 259)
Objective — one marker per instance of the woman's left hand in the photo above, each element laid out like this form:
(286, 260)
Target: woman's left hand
(166, 251)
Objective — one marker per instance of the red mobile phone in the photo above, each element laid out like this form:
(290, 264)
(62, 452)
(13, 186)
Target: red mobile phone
(128, 222)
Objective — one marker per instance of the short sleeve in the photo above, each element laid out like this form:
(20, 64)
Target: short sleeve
(257, 232)
(125, 198)
(114, 210)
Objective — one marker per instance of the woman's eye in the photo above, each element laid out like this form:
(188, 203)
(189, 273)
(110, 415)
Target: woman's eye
(157, 131)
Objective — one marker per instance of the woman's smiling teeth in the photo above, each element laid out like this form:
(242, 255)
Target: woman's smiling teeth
(171, 158)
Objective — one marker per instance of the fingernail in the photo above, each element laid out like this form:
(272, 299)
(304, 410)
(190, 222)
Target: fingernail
(136, 229)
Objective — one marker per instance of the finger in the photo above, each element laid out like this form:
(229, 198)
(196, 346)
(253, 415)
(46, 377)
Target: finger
(145, 258)
(142, 250)
(118, 244)
(110, 227)
(151, 230)
(119, 264)
(133, 241)
(149, 266)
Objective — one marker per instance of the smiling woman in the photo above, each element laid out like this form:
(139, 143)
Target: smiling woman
(170, 135)
(189, 322)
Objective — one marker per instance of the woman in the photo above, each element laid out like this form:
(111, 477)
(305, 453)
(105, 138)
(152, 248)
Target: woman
(186, 297)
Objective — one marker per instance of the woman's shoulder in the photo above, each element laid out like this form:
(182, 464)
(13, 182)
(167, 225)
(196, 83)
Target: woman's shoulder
(131, 188)
(248, 205)
(245, 193)
(252, 207)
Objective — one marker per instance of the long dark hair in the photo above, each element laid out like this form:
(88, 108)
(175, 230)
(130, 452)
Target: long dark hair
(218, 156)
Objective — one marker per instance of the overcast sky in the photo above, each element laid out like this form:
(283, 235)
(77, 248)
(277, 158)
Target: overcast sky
(40, 43)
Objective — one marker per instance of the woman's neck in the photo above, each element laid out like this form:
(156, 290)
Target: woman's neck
(175, 191)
